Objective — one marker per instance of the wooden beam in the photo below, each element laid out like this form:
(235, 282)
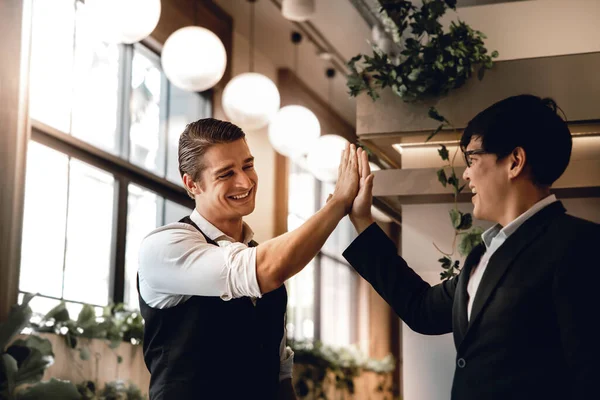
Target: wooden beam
(282, 171)
(572, 81)
(15, 19)
(414, 186)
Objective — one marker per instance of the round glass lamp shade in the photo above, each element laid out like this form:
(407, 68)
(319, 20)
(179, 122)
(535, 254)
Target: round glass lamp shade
(250, 100)
(298, 10)
(194, 58)
(293, 130)
(323, 158)
(124, 21)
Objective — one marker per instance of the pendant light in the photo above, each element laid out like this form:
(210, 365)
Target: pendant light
(298, 10)
(321, 158)
(294, 127)
(250, 100)
(194, 58)
(123, 21)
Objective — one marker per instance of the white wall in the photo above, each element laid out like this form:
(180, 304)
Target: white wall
(541, 28)
(428, 361)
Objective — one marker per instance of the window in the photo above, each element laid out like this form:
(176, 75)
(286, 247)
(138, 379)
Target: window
(322, 297)
(86, 211)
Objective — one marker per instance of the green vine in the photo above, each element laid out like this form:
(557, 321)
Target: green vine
(324, 367)
(320, 367)
(115, 325)
(431, 62)
(465, 233)
(24, 361)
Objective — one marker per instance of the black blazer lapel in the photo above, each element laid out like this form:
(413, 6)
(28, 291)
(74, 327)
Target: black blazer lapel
(460, 320)
(506, 254)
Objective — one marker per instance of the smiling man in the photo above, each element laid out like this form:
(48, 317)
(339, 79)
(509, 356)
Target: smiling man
(522, 308)
(213, 300)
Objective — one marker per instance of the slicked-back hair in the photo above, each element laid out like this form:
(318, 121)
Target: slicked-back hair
(198, 137)
(526, 121)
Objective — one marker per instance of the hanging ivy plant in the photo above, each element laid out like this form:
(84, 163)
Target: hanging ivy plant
(431, 62)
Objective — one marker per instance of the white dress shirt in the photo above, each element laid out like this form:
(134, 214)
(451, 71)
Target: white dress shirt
(493, 238)
(176, 262)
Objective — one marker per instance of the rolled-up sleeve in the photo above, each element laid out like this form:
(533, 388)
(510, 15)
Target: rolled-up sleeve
(177, 260)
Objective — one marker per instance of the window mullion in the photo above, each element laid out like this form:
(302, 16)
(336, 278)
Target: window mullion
(117, 274)
(164, 124)
(317, 305)
(123, 108)
(62, 289)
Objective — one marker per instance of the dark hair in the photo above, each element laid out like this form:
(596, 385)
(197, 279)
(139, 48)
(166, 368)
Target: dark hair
(529, 122)
(198, 137)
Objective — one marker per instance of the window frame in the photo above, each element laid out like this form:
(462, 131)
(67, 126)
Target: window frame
(317, 260)
(123, 171)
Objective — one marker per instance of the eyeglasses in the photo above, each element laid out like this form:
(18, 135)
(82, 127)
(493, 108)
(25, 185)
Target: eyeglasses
(468, 154)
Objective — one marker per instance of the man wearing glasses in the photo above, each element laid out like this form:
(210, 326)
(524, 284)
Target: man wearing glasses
(521, 310)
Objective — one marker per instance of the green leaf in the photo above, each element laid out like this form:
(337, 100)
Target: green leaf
(466, 222)
(414, 74)
(443, 152)
(18, 319)
(453, 180)
(119, 359)
(481, 73)
(437, 130)
(58, 313)
(31, 370)
(87, 316)
(54, 389)
(84, 353)
(442, 177)
(495, 54)
(33, 355)
(446, 262)
(469, 240)
(455, 217)
(43, 345)
(434, 114)
(8, 371)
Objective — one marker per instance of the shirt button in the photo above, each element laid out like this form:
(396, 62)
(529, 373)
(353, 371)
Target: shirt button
(461, 363)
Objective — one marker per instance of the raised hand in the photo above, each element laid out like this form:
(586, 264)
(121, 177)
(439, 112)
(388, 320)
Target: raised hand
(346, 187)
(360, 214)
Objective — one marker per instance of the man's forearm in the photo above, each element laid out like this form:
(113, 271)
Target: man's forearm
(280, 258)
(286, 390)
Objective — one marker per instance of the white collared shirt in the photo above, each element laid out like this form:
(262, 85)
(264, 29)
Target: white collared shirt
(493, 238)
(176, 262)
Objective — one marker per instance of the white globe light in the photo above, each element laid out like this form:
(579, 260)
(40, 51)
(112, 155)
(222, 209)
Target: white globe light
(298, 10)
(323, 158)
(194, 58)
(250, 100)
(293, 130)
(123, 21)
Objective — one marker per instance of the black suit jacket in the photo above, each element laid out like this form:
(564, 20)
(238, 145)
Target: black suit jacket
(532, 330)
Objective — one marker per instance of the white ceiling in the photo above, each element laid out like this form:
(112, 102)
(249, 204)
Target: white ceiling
(336, 20)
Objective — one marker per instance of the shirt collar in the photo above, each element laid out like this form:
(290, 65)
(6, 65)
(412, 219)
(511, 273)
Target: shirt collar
(498, 231)
(215, 233)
